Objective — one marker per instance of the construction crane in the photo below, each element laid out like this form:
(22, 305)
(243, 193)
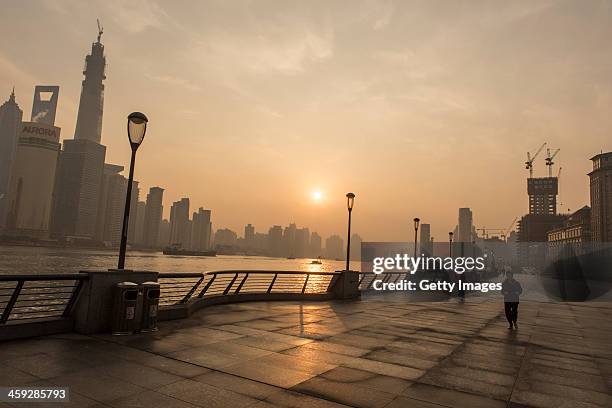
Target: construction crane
(509, 229)
(529, 162)
(549, 160)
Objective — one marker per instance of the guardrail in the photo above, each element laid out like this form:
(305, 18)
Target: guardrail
(366, 279)
(180, 288)
(28, 297)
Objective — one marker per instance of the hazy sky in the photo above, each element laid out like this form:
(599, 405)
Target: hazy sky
(419, 107)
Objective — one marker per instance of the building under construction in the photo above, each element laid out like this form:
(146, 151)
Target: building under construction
(533, 228)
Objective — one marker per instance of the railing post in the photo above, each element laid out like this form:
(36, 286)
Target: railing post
(192, 290)
(305, 283)
(241, 283)
(207, 286)
(75, 293)
(229, 286)
(347, 285)
(272, 283)
(9, 306)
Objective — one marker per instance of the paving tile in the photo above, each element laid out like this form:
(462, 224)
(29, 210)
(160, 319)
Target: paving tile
(205, 395)
(289, 399)
(366, 379)
(392, 370)
(450, 398)
(239, 385)
(150, 399)
(344, 393)
(269, 374)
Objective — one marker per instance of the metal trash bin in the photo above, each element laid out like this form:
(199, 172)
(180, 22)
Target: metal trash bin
(127, 308)
(150, 306)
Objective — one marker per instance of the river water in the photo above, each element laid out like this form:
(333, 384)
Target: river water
(38, 260)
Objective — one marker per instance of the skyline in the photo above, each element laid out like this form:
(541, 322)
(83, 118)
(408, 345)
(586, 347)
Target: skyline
(251, 136)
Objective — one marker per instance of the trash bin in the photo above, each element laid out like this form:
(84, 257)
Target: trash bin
(150, 306)
(127, 307)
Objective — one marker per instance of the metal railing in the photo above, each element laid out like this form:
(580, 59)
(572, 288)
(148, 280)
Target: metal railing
(366, 279)
(26, 297)
(178, 288)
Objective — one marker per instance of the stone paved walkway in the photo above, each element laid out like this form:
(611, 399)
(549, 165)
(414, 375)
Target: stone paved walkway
(378, 352)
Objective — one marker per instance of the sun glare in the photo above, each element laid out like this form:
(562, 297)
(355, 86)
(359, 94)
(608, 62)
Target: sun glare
(317, 195)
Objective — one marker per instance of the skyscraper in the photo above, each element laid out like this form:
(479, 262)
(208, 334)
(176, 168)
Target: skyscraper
(112, 205)
(32, 180)
(180, 230)
(141, 207)
(153, 218)
(334, 247)
(82, 160)
(425, 244)
(10, 125)
(200, 230)
(315, 245)
(464, 226)
(45, 104)
(601, 197)
(249, 235)
(275, 240)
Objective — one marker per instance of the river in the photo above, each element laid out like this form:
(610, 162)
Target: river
(39, 260)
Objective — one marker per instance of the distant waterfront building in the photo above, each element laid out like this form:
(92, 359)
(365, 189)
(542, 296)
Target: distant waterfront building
(289, 249)
(275, 241)
(570, 239)
(225, 237)
(601, 197)
(315, 245)
(249, 235)
(133, 212)
(140, 217)
(200, 230)
(302, 243)
(164, 234)
(180, 228)
(82, 159)
(10, 126)
(30, 195)
(425, 244)
(152, 237)
(334, 247)
(112, 205)
(464, 226)
(356, 247)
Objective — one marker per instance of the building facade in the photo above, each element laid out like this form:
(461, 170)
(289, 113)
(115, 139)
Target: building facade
(573, 237)
(601, 197)
(10, 126)
(152, 237)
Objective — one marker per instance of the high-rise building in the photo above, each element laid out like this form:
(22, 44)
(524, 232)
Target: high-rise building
(275, 241)
(152, 237)
(180, 230)
(225, 237)
(315, 245)
(356, 247)
(141, 207)
(289, 241)
(543, 195)
(302, 243)
(82, 159)
(164, 234)
(30, 194)
(91, 104)
(200, 230)
(133, 212)
(10, 126)
(464, 226)
(249, 235)
(334, 247)
(112, 206)
(601, 197)
(45, 104)
(425, 244)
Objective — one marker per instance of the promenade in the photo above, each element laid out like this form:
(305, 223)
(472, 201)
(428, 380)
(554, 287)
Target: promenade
(377, 352)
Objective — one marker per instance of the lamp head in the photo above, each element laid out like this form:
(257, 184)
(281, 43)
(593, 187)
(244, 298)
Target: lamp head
(350, 200)
(416, 223)
(137, 127)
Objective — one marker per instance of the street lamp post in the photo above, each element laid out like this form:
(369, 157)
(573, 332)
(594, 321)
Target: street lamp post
(450, 244)
(136, 128)
(350, 200)
(416, 230)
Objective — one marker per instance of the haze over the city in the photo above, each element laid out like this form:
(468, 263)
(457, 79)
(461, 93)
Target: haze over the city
(269, 112)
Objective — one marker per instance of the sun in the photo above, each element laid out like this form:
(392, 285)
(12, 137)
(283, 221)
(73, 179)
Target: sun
(317, 195)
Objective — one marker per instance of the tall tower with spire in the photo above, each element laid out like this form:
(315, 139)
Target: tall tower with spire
(91, 105)
(10, 121)
(79, 182)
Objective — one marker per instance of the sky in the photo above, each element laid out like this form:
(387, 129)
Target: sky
(418, 107)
